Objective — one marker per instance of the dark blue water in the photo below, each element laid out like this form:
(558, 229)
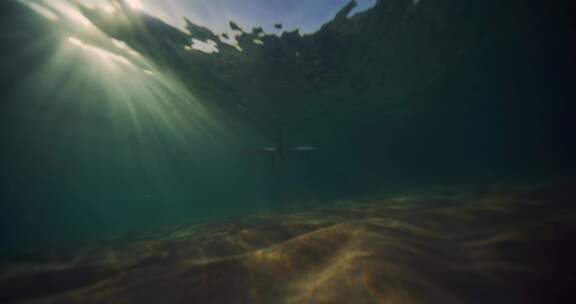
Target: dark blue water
(100, 138)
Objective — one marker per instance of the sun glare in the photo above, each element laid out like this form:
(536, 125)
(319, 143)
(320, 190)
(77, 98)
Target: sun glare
(106, 55)
(68, 12)
(135, 4)
(75, 41)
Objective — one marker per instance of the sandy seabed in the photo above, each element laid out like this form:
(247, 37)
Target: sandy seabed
(494, 247)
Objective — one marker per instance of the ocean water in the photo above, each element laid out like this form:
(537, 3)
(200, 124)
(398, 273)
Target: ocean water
(125, 118)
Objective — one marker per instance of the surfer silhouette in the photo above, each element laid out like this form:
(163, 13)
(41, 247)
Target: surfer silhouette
(280, 150)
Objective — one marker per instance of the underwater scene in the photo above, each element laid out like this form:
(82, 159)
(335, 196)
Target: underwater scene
(287, 151)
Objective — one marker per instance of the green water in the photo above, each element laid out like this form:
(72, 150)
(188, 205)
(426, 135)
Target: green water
(114, 124)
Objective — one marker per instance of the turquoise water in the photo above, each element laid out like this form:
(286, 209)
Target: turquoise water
(113, 121)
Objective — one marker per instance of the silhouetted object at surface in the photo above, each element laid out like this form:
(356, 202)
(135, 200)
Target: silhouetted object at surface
(280, 150)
